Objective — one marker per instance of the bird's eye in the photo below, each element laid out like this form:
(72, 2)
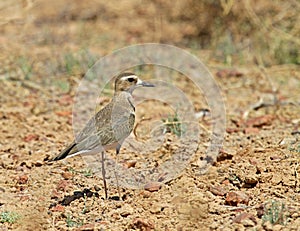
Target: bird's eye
(130, 79)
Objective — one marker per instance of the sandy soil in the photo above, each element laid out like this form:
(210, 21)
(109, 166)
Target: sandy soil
(253, 185)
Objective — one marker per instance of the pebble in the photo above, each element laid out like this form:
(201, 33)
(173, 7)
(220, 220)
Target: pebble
(153, 186)
(236, 197)
(218, 190)
(126, 210)
(67, 175)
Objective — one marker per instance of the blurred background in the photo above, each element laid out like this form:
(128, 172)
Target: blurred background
(232, 32)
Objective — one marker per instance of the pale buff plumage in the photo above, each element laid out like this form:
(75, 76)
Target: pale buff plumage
(109, 127)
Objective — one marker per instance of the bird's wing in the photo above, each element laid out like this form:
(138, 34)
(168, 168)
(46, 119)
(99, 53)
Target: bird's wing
(98, 121)
(108, 134)
(102, 130)
(122, 126)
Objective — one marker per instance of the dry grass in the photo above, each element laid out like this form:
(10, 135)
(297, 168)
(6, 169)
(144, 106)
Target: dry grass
(260, 32)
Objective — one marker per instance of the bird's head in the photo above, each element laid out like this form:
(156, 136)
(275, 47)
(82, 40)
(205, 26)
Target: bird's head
(128, 82)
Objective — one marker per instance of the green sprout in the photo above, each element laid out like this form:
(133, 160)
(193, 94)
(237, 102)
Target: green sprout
(9, 217)
(275, 212)
(173, 125)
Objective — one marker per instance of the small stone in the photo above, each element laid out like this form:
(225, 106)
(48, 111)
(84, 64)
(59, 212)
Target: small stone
(67, 175)
(58, 208)
(155, 209)
(235, 198)
(131, 163)
(31, 137)
(97, 188)
(142, 224)
(250, 181)
(145, 194)
(23, 179)
(126, 210)
(225, 155)
(226, 182)
(253, 162)
(63, 185)
(218, 190)
(153, 186)
(38, 163)
(87, 227)
(276, 158)
(247, 219)
(260, 121)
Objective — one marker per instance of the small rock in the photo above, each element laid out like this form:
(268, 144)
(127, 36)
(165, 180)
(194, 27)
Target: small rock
(218, 190)
(23, 179)
(38, 163)
(97, 188)
(67, 175)
(253, 162)
(155, 209)
(63, 185)
(145, 194)
(142, 224)
(250, 181)
(276, 158)
(55, 194)
(260, 121)
(131, 163)
(126, 210)
(224, 155)
(226, 182)
(153, 186)
(24, 198)
(31, 137)
(58, 208)
(247, 219)
(87, 227)
(235, 198)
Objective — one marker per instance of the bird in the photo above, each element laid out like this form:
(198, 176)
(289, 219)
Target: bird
(110, 126)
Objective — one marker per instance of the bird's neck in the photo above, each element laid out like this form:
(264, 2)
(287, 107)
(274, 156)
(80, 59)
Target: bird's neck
(124, 98)
(122, 94)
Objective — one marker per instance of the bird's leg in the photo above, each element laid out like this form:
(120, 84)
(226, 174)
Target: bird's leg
(116, 175)
(103, 174)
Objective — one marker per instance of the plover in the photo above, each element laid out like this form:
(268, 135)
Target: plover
(110, 126)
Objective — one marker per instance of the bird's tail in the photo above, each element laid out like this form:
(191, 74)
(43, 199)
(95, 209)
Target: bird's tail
(64, 153)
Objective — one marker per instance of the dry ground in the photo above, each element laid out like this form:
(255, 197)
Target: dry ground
(45, 50)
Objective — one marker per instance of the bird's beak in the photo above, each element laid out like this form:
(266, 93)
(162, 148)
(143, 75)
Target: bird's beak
(144, 84)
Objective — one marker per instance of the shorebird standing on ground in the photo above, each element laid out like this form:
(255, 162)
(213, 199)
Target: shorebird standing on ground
(110, 126)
